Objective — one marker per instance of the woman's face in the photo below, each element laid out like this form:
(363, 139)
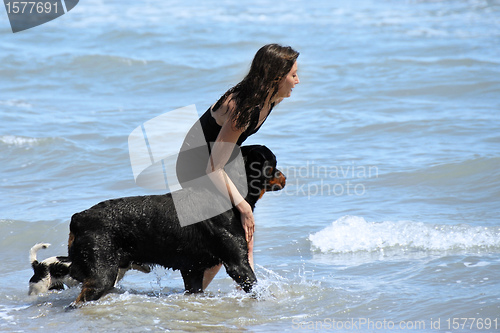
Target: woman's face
(288, 83)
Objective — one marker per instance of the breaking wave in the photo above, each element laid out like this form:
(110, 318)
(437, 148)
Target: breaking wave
(351, 234)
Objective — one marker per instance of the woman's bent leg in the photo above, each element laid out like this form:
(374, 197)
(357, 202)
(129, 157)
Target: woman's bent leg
(211, 272)
(209, 275)
(250, 254)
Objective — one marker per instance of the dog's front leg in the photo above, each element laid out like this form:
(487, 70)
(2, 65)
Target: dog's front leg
(193, 280)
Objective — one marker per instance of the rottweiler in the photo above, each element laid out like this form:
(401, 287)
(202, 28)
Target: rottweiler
(145, 230)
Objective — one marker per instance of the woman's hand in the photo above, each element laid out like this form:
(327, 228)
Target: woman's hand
(246, 219)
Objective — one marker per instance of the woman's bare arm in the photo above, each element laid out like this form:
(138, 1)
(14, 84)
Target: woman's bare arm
(220, 154)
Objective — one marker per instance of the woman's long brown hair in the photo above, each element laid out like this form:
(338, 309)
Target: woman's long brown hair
(269, 66)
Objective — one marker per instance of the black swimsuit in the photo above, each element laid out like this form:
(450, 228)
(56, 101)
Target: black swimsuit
(194, 155)
(211, 129)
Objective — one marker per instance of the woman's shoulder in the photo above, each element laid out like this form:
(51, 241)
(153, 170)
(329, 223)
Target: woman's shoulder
(224, 112)
(221, 110)
(224, 104)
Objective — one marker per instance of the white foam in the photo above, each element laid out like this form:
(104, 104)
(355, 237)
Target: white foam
(352, 234)
(479, 264)
(6, 314)
(23, 141)
(19, 141)
(17, 103)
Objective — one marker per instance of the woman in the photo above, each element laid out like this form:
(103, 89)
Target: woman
(239, 113)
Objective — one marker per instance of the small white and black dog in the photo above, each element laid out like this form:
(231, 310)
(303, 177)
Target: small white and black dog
(50, 274)
(53, 273)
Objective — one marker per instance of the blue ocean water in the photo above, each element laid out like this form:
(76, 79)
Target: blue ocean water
(390, 145)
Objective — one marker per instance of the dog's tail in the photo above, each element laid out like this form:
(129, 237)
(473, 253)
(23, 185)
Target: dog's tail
(35, 249)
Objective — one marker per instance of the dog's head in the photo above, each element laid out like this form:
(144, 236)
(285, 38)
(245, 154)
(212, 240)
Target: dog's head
(262, 173)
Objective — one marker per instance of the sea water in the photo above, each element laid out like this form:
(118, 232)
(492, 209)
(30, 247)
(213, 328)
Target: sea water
(390, 143)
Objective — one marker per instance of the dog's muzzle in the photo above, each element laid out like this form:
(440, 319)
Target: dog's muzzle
(278, 181)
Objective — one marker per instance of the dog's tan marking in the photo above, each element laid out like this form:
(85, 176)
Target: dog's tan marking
(71, 239)
(87, 288)
(280, 180)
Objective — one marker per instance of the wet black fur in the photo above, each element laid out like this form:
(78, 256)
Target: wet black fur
(146, 230)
